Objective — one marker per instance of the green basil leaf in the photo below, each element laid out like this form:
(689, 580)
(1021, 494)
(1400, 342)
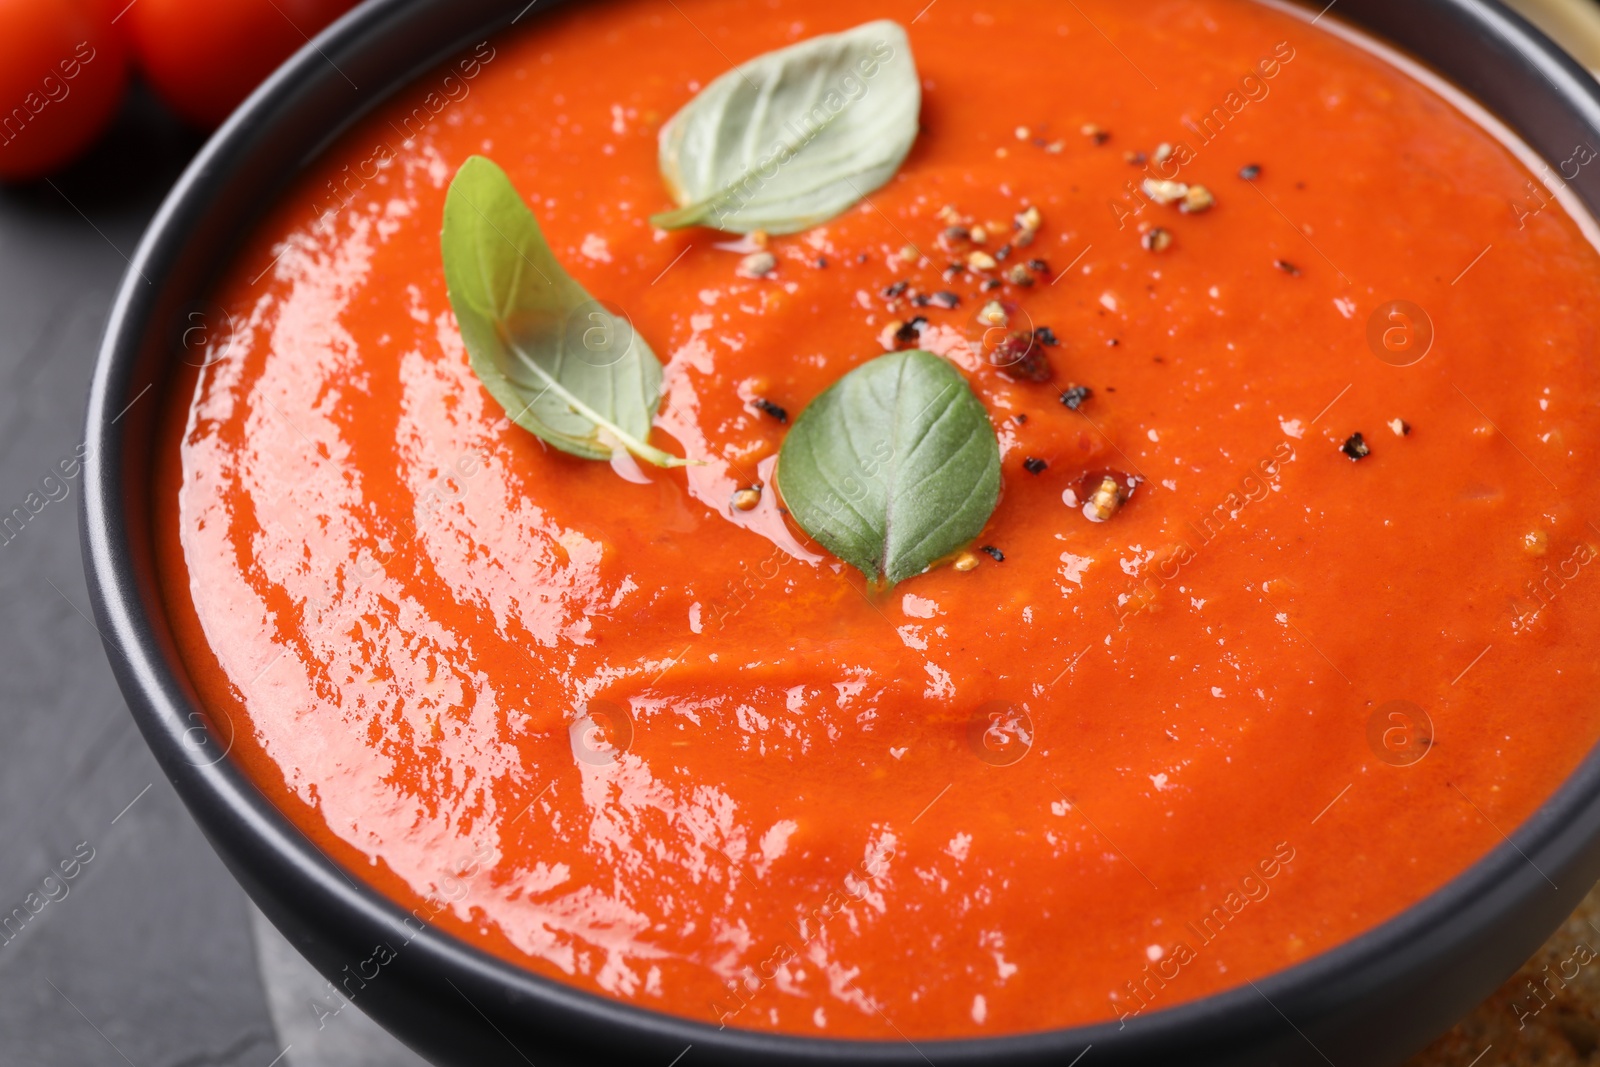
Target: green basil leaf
(794, 137)
(563, 365)
(895, 466)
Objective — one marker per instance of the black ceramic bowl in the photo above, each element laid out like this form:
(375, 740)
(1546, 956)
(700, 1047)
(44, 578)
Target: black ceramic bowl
(1370, 1001)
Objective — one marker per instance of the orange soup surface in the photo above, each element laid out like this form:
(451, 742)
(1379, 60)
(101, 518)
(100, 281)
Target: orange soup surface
(610, 726)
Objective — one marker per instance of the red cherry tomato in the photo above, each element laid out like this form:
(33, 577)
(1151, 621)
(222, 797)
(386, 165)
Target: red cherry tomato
(63, 67)
(205, 56)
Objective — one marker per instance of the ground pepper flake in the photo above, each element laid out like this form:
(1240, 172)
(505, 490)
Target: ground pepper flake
(1019, 355)
(1355, 446)
(990, 285)
(1156, 239)
(1250, 172)
(945, 299)
(1163, 191)
(995, 554)
(1045, 336)
(1034, 465)
(1074, 396)
(896, 289)
(757, 265)
(769, 408)
(1288, 268)
(907, 332)
(1104, 501)
(1196, 200)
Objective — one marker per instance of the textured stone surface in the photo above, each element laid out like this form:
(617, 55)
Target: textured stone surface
(300, 1000)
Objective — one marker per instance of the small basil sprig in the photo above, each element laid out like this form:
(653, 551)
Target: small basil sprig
(563, 366)
(793, 137)
(895, 466)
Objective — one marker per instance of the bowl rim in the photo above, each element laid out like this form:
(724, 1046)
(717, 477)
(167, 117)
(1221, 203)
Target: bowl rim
(1562, 832)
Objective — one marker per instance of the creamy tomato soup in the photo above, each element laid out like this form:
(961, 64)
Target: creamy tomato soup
(630, 728)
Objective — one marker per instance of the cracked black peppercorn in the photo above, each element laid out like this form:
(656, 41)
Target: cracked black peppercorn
(911, 331)
(1074, 397)
(770, 408)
